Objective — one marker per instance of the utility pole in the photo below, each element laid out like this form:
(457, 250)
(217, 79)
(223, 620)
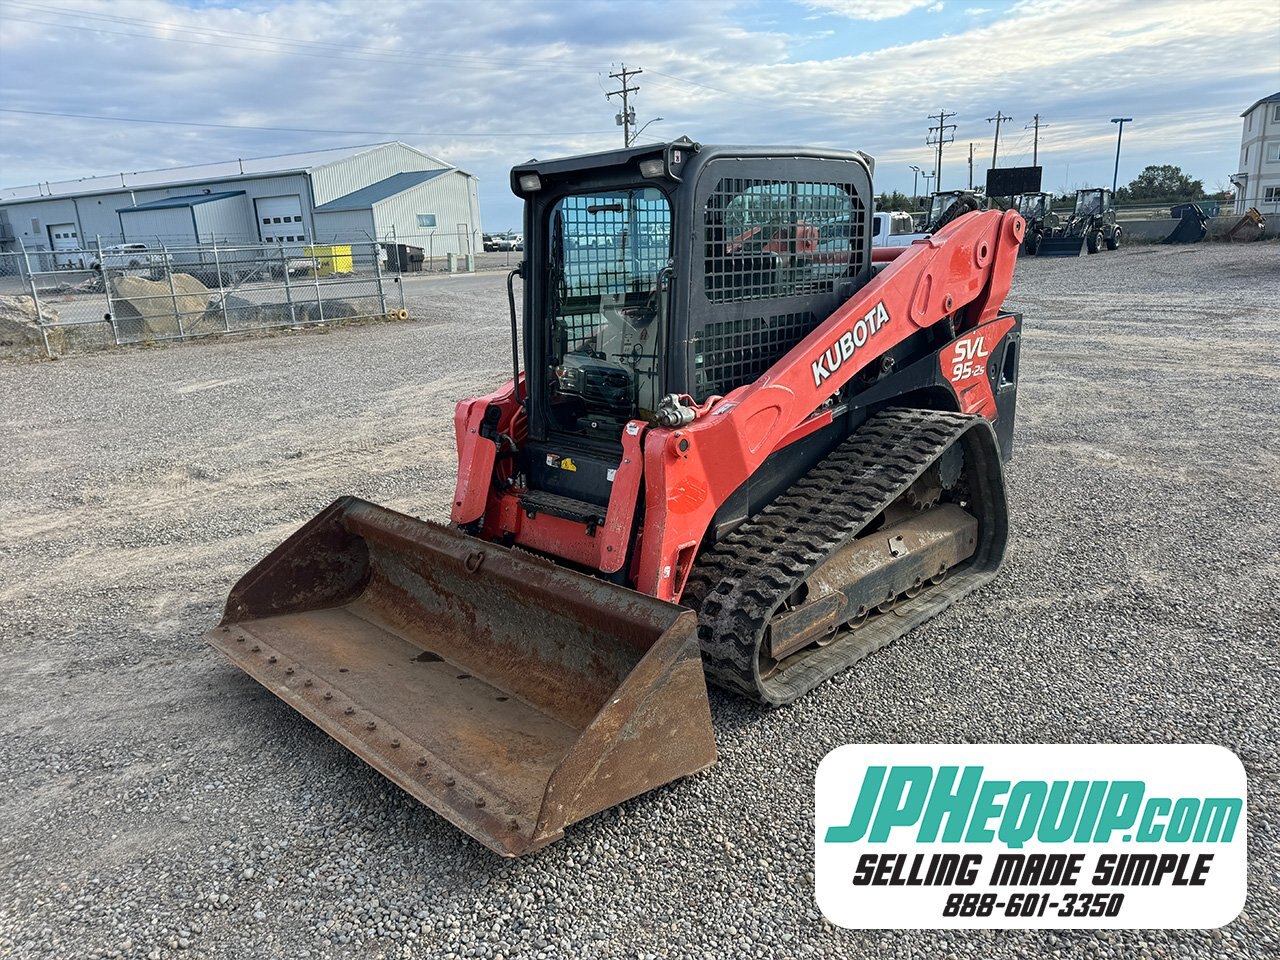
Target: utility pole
(938, 136)
(1035, 141)
(996, 145)
(970, 164)
(1116, 175)
(627, 118)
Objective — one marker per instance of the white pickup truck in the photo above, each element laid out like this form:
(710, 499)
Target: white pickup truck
(894, 229)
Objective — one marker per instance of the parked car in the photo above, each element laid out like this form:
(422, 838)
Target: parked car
(509, 241)
(489, 242)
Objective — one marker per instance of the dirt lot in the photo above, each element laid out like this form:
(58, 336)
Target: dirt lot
(158, 803)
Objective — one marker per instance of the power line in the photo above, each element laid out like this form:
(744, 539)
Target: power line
(627, 117)
(773, 104)
(240, 126)
(322, 55)
(324, 46)
(331, 51)
(326, 50)
(283, 46)
(938, 136)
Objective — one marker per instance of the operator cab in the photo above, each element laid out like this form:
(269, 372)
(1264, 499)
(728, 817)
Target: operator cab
(676, 269)
(1032, 206)
(1092, 203)
(606, 312)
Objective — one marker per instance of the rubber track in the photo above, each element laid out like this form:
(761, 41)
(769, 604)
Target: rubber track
(737, 585)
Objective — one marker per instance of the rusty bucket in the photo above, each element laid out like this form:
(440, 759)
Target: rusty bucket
(510, 695)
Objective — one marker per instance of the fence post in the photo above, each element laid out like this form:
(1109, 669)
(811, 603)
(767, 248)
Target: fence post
(173, 294)
(315, 276)
(222, 293)
(35, 298)
(377, 272)
(288, 290)
(26, 257)
(106, 290)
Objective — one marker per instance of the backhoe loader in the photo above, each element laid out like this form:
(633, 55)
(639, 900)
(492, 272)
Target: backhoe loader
(722, 455)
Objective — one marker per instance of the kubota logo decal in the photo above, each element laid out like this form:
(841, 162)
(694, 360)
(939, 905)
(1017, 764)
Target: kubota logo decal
(849, 342)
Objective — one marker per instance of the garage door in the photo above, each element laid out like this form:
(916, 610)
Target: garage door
(280, 220)
(65, 237)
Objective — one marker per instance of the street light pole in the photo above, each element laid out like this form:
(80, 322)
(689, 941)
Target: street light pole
(915, 186)
(1115, 177)
(636, 136)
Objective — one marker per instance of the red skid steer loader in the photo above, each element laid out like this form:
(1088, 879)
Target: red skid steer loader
(726, 451)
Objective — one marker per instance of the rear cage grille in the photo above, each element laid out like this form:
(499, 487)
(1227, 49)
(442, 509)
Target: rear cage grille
(766, 240)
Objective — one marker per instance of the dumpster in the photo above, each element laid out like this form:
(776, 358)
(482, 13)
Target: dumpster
(330, 260)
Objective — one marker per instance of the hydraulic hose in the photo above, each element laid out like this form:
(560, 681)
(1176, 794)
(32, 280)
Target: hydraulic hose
(515, 339)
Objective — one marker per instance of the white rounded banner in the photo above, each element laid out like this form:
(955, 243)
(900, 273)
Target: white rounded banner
(1030, 836)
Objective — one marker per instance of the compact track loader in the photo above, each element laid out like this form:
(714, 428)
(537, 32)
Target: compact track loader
(728, 447)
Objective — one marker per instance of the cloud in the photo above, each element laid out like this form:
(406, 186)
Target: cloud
(493, 88)
(870, 9)
(976, 11)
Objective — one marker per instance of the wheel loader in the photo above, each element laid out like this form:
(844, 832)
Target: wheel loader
(1091, 227)
(722, 455)
(948, 205)
(1041, 221)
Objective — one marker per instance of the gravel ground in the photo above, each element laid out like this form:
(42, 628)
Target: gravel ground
(158, 803)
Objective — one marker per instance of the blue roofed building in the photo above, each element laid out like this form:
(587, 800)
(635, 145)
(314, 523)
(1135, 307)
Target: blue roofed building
(380, 191)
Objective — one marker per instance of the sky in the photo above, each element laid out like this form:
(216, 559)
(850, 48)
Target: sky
(485, 85)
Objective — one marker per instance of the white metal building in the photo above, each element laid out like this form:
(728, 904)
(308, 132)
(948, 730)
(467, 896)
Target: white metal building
(1258, 182)
(372, 192)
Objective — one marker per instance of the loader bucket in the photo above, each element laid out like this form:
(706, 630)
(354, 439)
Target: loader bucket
(1061, 247)
(1192, 226)
(510, 695)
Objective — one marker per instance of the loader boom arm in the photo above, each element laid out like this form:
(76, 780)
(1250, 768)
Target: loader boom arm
(690, 472)
(964, 272)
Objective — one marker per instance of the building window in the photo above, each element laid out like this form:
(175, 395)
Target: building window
(1275, 113)
(1271, 194)
(1273, 151)
(35, 225)
(426, 219)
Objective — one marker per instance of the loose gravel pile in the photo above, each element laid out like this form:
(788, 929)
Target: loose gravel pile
(158, 803)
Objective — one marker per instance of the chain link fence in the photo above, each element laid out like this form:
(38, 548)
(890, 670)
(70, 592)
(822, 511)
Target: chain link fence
(69, 300)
